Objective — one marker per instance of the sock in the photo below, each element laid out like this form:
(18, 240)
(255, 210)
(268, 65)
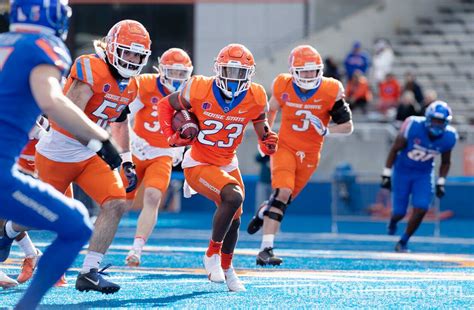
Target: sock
(267, 242)
(138, 244)
(214, 248)
(92, 260)
(404, 239)
(27, 246)
(226, 260)
(10, 232)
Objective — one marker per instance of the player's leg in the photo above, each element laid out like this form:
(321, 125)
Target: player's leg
(228, 246)
(401, 190)
(422, 196)
(226, 191)
(106, 188)
(155, 181)
(35, 204)
(283, 164)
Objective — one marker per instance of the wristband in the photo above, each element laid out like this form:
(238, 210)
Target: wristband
(387, 172)
(126, 157)
(95, 145)
(441, 181)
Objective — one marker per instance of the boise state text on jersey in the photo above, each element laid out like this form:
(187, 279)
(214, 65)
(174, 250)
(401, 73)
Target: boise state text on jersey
(421, 150)
(20, 53)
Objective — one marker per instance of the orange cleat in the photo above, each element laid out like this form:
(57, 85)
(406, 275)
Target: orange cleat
(62, 282)
(28, 266)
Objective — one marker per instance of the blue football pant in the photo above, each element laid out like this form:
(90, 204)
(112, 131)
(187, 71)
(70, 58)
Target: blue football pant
(418, 186)
(34, 204)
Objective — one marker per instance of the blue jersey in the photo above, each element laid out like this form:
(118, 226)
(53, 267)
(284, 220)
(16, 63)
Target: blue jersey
(418, 155)
(20, 53)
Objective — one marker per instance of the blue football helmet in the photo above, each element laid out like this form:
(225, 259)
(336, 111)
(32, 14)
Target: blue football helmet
(438, 115)
(43, 15)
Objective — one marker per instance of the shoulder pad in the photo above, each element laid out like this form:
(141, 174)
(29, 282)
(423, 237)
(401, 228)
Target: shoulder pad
(90, 69)
(197, 87)
(53, 51)
(281, 82)
(147, 82)
(259, 94)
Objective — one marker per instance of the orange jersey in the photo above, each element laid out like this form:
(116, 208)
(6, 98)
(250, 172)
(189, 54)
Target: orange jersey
(296, 131)
(27, 157)
(221, 125)
(110, 96)
(147, 125)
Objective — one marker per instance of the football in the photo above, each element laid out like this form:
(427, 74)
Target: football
(187, 123)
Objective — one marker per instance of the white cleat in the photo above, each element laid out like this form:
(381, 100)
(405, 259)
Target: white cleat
(232, 281)
(213, 268)
(6, 281)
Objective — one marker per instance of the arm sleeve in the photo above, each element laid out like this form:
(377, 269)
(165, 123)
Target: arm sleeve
(166, 112)
(123, 115)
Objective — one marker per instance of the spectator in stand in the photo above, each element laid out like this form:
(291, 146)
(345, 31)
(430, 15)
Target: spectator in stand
(389, 94)
(430, 97)
(412, 85)
(358, 92)
(383, 60)
(406, 107)
(331, 69)
(357, 59)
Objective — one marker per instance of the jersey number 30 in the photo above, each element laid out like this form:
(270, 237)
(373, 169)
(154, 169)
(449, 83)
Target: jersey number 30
(235, 130)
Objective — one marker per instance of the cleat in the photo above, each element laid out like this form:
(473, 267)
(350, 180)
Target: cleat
(93, 281)
(392, 229)
(233, 282)
(6, 281)
(256, 222)
(213, 268)
(266, 257)
(133, 259)
(401, 247)
(62, 282)
(28, 266)
(5, 246)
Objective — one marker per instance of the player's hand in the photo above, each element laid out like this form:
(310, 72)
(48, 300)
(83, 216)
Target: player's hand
(386, 182)
(107, 151)
(176, 140)
(269, 142)
(131, 175)
(318, 125)
(178, 154)
(440, 190)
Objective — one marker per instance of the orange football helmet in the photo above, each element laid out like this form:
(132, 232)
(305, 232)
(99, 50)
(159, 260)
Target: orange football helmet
(126, 39)
(306, 66)
(234, 68)
(175, 68)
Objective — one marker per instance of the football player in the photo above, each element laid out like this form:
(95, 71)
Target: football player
(409, 169)
(102, 85)
(32, 59)
(224, 104)
(151, 152)
(308, 101)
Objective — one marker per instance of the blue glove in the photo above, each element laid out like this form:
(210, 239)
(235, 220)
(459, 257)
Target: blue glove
(131, 175)
(318, 125)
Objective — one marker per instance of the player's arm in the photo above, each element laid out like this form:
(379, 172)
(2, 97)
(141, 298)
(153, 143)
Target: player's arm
(166, 109)
(267, 139)
(121, 134)
(443, 173)
(80, 93)
(342, 117)
(46, 89)
(274, 107)
(399, 144)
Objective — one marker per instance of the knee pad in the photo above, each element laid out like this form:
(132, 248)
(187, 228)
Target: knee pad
(276, 204)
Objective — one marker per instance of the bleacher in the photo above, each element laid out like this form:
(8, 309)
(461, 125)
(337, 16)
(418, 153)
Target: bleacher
(440, 51)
